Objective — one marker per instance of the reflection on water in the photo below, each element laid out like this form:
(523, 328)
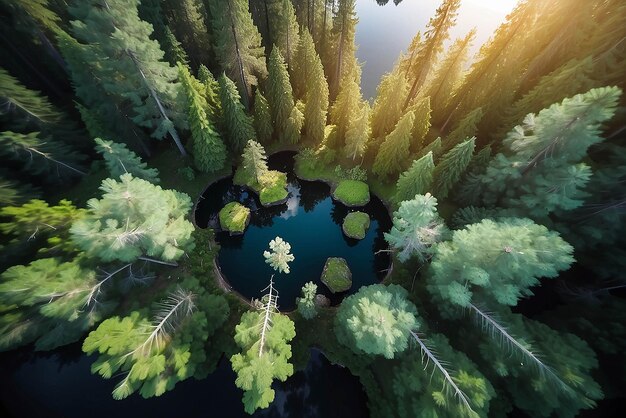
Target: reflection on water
(59, 384)
(310, 221)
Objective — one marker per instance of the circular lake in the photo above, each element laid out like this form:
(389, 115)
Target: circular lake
(310, 221)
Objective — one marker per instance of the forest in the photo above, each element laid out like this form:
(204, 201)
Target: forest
(457, 243)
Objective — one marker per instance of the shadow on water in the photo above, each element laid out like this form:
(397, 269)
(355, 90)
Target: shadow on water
(310, 221)
(59, 384)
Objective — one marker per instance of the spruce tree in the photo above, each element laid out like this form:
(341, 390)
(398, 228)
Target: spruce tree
(344, 48)
(451, 167)
(174, 51)
(304, 60)
(358, 134)
(237, 44)
(186, 18)
(209, 152)
(387, 109)
(347, 103)
(119, 160)
(316, 107)
(416, 180)
(237, 124)
(392, 153)
(262, 119)
(130, 64)
(30, 103)
(212, 95)
(254, 162)
(306, 303)
(421, 124)
(467, 128)
(283, 29)
(280, 98)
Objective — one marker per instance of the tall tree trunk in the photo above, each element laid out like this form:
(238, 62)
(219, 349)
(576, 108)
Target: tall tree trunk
(242, 75)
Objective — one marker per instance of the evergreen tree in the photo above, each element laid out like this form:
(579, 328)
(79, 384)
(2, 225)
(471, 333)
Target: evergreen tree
(279, 257)
(539, 170)
(449, 75)
(171, 351)
(254, 162)
(423, 58)
(237, 124)
(451, 167)
(344, 58)
(306, 303)
(263, 338)
(31, 104)
(387, 109)
(304, 60)
(119, 160)
(174, 51)
(376, 320)
(237, 44)
(130, 64)
(347, 103)
(416, 180)
(212, 95)
(186, 17)
(496, 262)
(467, 128)
(421, 124)
(436, 147)
(416, 229)
(316, 95)
(209, 151)
(358, 134)
(283, 29)
(262, 119)
(134, 219)
(394, 150)
(280, 97)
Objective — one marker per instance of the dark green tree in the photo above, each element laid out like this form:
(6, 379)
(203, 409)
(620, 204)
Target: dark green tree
(416, 180)
(280, 98)
(453, 164)
(119, 160)
(262, 119)
(392, 153)
(237, 124)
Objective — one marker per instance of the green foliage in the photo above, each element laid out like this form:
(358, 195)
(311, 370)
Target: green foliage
(352, 193)
(256, 366)
(36, 218)
(417, 227)
(540, 170)
(347, 104)
(451, 167)
(287, 123)
(49, 302)
(421, 125)
(187, 18)
(388, 106)
(119, 160)
(156, 352)
(135, 218)
(376, 320)
(254, 163)
(356, 224)
(284, 28)
(355, 173)
(496, 261)
(174, 51)
(416, 180)
(316, 96)
(358, 134)
(306, 303)
(211, 94)
(279, 257)
(234, 217)
(392, 153)
(262, 119)
(467, 128)
(30, 103)
(238, 125)
(336, 275)
(209, 151)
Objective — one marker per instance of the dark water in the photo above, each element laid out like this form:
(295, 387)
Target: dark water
(59, 384)
(310, 221)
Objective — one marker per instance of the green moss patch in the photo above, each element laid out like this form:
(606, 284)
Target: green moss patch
(336, 275)
(271, 188)
(352, 193)
(356, 224)
(234, 218)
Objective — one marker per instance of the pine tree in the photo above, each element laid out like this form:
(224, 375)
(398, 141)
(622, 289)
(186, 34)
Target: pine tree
(174, 51)
(424, 57)
(284, 29)
(347, 103)
(254, 162)
(467, 128)
(344, 59)
(387, 109)
(421, 124)
(186, 17)
(237, 44)
(496, 262)
(539, 170)
(119, 160)
(279, 257)
(436, 147)
(304, 60)
(238, 125)
(262, 119)
(212, 95)
(376, 320)
(280, 98)
(134, 219)
(416, 180)
(31, 104)
(306, 303)
(393, 151)
(449, 75)
(358, 134)
(130, 64)
(316, 107)
(417, 227)
(209, 151)
(451, 167)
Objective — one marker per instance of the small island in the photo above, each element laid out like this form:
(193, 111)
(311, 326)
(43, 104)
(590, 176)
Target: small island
(337, 275)
(352, 193)
(234, 218)
(356, 224)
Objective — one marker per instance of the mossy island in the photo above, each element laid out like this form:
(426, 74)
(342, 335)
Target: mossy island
(337, 275)
(352, 193)
(356, 224)
(234, 218)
